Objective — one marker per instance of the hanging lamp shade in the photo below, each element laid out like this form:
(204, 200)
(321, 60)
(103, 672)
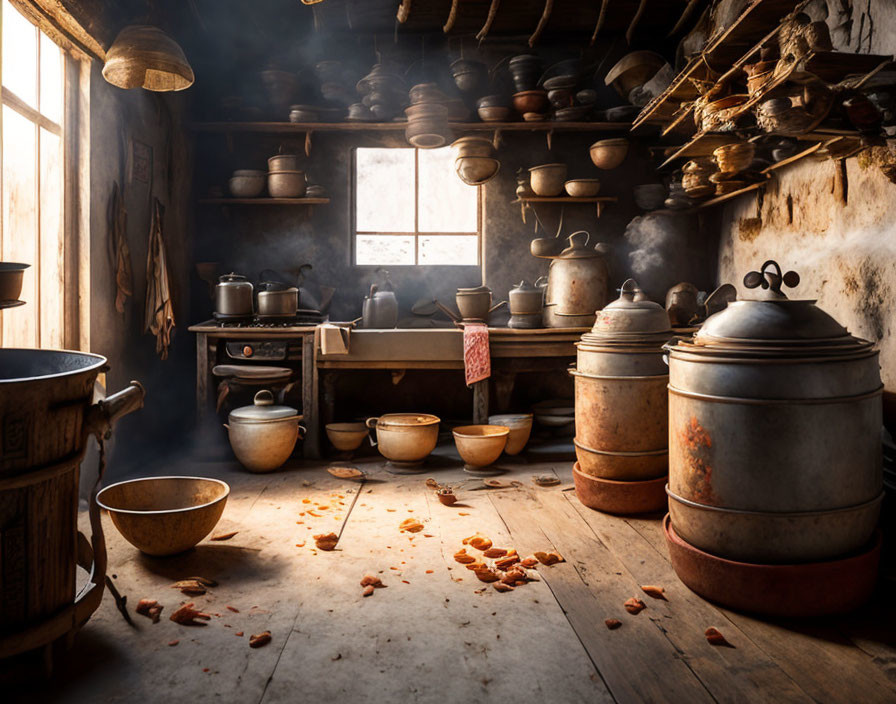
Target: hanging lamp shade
(143, 56)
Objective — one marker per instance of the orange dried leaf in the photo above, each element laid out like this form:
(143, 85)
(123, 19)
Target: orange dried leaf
(346, 472)
(260, 639)
(634, 605)
(186, 615)
(224, 536)
(239, 634)
(462, 557)
(654, 591)
(480, 542)
(494, 552)
(502, 587)
(549, 558)
(368, 590)
(506, 562)
(233, 608)
(306, 501)
(613, 623)
(370, 580)
(714, 637)
(312, 513)
(411, 525)
(326, 541)
(190, 587)
(486, 574)
(173, 642)
(150, 608)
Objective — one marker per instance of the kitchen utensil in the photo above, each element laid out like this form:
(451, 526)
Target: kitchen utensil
(479, 446)
(346, 437)
(773, 382)
(476, 303)
(681, 303)
(405, 439)
(263, 435)
(380, 308)
(476, 170)
(284, 162)
(609, 153)
(618, 497)
(547, 179)
(286, 184)
(473, 147)
(582, 187)
(247, 183)
(530, 101)
(165, 515)
(520, 427)
(526, 298)
(577, 284)
(495, 113)
(633, 70)
(468, 75)
(275, 300)
(11, 276)
(233, 296)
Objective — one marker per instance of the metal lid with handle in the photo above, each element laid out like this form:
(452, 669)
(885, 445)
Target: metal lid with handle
(263, 410)
(631, 313)
(772, 319)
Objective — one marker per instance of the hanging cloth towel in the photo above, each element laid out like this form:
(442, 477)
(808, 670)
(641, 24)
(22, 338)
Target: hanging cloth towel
(121, 253)
(159, 310)
(477, 359)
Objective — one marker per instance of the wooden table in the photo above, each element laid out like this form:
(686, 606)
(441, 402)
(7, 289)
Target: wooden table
(512, 351)
(209, 334)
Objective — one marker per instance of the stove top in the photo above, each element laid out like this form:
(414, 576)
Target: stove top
(303, 317)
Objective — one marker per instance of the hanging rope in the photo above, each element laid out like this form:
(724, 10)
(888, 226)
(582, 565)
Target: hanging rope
(404, 11)
(542, 23)
(637, 18)
(452, 17)
(600, 21)
(489, 21)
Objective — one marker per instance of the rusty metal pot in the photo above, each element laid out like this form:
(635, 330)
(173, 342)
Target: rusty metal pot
(620, 385)
(775, 410)
(577, 284)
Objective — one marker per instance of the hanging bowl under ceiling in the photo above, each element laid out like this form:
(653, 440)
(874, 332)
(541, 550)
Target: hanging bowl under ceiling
(143, 56)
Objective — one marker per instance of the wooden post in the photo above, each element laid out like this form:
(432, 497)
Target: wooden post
(310, 400)
(202, 371)
(480, 402)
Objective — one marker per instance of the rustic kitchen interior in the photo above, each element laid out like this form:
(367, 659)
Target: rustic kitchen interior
(448, 350)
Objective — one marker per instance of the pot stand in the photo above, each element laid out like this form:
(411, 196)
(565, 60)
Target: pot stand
(794, 591)
(489, 471)
(397, 467)
(618, 497)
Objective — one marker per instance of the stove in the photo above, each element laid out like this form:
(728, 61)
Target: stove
(302, 317)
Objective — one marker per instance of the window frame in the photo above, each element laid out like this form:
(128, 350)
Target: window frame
(73, 131)
(416, 233)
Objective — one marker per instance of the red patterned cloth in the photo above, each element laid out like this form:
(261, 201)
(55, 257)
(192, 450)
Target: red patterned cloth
(477, 360)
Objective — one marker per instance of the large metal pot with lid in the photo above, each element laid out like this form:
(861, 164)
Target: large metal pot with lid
(774, 422)
(263, 435)
(577, 284)
(620, 388)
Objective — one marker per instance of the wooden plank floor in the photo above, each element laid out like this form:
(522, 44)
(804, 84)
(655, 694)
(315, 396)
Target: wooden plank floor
(437, 634)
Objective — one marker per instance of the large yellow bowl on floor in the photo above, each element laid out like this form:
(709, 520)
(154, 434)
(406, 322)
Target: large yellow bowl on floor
(165, 515)
(480, 445)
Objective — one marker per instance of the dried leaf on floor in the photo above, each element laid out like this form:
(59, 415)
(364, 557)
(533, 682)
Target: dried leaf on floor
(549, 558)
(613, 623)
(545, 479)
(190, 587)
(150, 608)
(326, 541)
(346, 472)
(494, 552)
(634, 605)
(260, 639)
(654, 591)
(530, 561)
(487, 574)
(224, 536)
(411, 525)
(506, 562)
(714, 637)
(186, 615)
(370, 580)
(480, 542)
(232, 608)
(502, 587)
(462, 557)
(368, 590)
(173, 642)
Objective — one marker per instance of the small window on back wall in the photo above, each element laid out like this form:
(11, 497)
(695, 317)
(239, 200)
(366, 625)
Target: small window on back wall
(412, 209)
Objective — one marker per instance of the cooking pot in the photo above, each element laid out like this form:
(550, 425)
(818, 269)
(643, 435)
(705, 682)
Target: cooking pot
(526, 298)
(263, 435)
(577, 284)
(11, 277)
(774, 414)
(233, 296)
(405, 439)
(277, 300)
(620, 384)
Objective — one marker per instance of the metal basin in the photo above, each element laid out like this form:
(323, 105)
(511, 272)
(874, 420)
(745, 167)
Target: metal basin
(774, 538)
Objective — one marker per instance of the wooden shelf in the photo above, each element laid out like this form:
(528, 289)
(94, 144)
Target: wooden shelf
(264, 201)
(750, 28)
(600, 201)
(301, 127)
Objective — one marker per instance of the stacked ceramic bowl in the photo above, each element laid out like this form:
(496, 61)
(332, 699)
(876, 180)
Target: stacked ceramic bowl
(427, 117)
(383, 93)
(475, 160)
(285, 178)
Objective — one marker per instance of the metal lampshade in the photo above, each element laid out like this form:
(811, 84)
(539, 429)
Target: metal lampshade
(143, 56)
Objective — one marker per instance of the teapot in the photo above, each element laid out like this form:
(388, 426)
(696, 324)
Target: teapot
(380, 309)
(577, 284)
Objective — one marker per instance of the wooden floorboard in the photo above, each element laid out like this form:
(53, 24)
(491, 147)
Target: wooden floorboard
(437, 634)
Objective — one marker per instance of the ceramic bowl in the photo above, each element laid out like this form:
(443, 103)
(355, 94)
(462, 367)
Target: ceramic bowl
(346, 436)
(11, 276)
(492, 101)
(609, 153)
(286, 184)
(476, 170)
(583, 187)
(405, 439)
(473, 146)
(530, 101)
(480, 445)
(547, 179)
(494, 113)
(165, 515)
(284, 162)
(520, 427)
(247, 183)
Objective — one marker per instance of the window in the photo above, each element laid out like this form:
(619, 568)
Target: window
(31, 181)
(412, 209)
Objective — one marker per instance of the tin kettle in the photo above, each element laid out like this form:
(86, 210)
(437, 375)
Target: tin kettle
(379, 309)
(577, 284)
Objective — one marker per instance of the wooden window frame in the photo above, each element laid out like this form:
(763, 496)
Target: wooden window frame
(75, 132)
(416, 233)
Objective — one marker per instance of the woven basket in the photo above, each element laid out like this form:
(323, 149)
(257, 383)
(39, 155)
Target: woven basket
(143, 56)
